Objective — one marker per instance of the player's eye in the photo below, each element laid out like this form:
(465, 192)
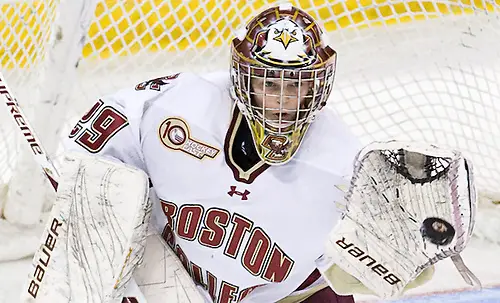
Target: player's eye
(294, 84)
(269, 84)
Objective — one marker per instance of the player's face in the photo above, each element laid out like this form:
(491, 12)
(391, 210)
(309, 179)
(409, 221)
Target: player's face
(280, 100)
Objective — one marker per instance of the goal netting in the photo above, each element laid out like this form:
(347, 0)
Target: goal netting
(409, 70)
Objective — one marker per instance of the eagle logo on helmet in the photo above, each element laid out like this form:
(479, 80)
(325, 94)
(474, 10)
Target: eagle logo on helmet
(284, 43)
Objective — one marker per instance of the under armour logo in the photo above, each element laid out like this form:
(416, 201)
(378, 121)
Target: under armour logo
(233, 191)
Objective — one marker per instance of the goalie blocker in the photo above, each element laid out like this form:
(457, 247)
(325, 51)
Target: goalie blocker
(96, 239)
(96, 235)
(408, 206)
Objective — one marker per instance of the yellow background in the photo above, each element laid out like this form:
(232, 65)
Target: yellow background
(141, 25)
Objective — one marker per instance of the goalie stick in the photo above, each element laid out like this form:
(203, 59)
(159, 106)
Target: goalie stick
(29, 134)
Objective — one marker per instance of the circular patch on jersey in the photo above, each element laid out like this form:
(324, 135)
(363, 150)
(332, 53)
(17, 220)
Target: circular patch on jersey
(177, 135)
(174, 134)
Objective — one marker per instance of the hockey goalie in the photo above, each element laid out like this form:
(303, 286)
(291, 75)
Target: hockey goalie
(243, 176)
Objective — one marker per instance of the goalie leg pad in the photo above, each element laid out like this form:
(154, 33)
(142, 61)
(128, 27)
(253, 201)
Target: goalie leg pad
(95, 235)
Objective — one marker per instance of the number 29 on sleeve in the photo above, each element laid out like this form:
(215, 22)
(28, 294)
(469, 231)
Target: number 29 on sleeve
(103, 122)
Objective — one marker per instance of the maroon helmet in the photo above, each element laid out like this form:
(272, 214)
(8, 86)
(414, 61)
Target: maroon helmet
(282, 74)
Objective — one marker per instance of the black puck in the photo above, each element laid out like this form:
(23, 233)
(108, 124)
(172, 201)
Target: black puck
(437, 231)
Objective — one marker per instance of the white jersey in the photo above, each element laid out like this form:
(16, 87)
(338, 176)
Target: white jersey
(237, 230)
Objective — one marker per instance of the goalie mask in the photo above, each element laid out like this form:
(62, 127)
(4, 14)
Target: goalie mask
(282, 74)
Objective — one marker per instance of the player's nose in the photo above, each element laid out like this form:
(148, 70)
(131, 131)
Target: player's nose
(285, 101)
